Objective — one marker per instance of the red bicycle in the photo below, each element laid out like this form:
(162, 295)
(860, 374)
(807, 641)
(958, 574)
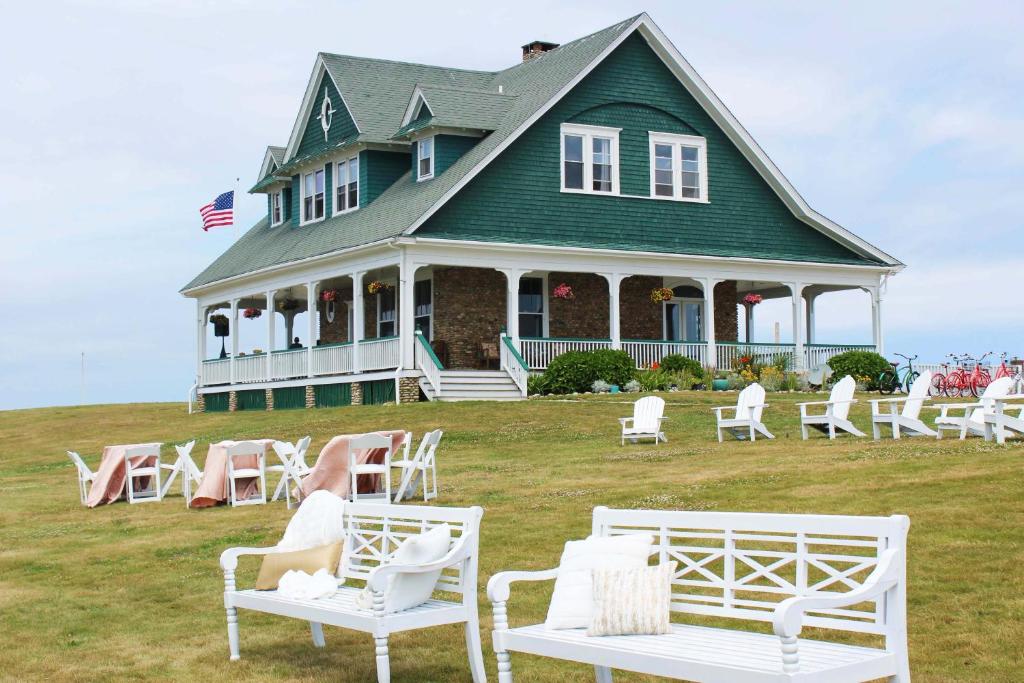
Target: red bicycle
(968, 378)
(1016, 373)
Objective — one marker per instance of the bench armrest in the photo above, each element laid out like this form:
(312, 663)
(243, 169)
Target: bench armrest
(789, 614)
(461, 551)
(500, 585)
(894, 399)
(624, 420)
(229, 558)
(826, 403)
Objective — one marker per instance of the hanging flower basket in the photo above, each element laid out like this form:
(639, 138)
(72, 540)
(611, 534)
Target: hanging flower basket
(289, 305)
(753, 299)
(563, 291)
(252, 313)
(329, 295)
(659, 294)
(376, 287)
(220, 324)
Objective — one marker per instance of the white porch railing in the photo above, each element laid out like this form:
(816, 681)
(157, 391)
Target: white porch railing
(288, 364)
(539, 352)
(250, 369)
(379, 354)
(818, 354)
(216, 372)
(332, 359)
(427, 362)
(730, 352)
(646, 353)
(513, 363)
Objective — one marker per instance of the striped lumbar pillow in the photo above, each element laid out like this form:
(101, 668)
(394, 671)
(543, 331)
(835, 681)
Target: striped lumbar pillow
(633, 601)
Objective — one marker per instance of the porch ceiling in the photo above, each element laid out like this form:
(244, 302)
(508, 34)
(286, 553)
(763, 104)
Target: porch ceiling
(777, 290)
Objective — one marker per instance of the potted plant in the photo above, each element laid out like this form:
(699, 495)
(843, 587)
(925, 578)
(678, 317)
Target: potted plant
(376, 287)
(220, 325)
(252, 313)
(660, 294)
(563, 291)
(753, 299)
(289, 305)
(329, 297)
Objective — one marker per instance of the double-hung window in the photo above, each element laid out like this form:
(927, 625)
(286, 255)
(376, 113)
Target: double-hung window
(531, 307)
(423, 302)
(679, 166)
(590, 159)
(425, 159)
(387, 318)
(346, 185)
(313, 196)
(275, 208)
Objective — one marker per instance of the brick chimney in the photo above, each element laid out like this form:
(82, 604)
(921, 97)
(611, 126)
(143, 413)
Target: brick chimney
(536, 49)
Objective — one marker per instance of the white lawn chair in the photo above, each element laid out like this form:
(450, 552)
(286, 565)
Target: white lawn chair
(973, 419)
(908, 419)
(646, 421)
(837, 411)
(247, 449)
(292, 468)
(146, 465)
(414, 472)
(1002, 425)
(85, 476)
(746, 422)
(370, 442)
(187, 468)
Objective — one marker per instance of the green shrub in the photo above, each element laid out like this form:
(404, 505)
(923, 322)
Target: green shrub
(536, 385)
(685, 379)
(859, 364)
(654, 380)
(771, 378)
(576, 371)
(675, 362)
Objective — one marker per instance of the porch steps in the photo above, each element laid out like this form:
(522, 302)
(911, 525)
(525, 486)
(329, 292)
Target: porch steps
(473, 385)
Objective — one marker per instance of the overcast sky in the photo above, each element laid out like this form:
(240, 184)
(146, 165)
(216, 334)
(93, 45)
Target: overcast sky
(904, 122)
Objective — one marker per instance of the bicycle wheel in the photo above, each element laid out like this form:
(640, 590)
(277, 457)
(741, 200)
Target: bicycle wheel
(954, 384)
(938, 386)
(910, 379)
(978, 385)
(887, 382)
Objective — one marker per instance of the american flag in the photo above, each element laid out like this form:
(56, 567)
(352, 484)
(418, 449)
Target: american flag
(220, 212)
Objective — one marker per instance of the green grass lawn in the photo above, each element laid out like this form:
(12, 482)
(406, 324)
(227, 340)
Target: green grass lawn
(134, 592)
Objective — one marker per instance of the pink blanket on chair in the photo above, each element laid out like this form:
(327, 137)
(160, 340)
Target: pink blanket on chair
(109, 483)
(213, 489)
(330, 472)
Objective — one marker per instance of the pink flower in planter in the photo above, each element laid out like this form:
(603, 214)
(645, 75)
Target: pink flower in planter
(563, 291)
(252, 313)
(753, 299)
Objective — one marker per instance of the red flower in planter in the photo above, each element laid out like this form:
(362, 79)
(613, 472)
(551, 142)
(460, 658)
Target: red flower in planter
(655, 365)
(329, 295)
(252, 313)
(753, 299)
(563, 291)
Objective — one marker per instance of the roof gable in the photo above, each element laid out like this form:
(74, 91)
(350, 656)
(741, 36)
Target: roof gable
(328, 122)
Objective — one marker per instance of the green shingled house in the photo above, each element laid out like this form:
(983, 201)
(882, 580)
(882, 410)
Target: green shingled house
(438, 232)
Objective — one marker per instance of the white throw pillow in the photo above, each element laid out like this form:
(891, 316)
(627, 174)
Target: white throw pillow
(319, 521)
(632, 602)
(572, 603)
(405, 591)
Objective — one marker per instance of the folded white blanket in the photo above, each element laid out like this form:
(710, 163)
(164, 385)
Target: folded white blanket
(302, 586)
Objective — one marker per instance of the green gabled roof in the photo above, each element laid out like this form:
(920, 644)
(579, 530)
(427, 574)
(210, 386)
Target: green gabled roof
(377, 93)
(459, 108)
(277, 154)
(271, 175)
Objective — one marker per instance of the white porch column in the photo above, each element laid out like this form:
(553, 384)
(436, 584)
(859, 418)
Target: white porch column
(796, 289)
(708, 285)
(200, 340)
(234, 337)
(876, 319)
(748, 310)
(407, 314)
(809, 325)
(358, 326)
(270, 332)
(512, 277)
(312, 313)
(614, 326)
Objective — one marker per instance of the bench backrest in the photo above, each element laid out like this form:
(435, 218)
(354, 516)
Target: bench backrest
(918, 395)
(376, 530)
(842, 394)
(753, 395)
(741, 565)
(647, 413)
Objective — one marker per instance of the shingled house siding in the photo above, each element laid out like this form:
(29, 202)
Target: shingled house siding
(726, 315)
(337, 331)
(295, 210)
(378, 171)
(448, 149)
(633, 90)
(586, 315)
(342, 125)
(639, 317)
(468, 309)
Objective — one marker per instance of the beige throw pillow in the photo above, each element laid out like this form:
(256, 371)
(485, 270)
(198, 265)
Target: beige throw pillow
(633, 601)
(310, 560)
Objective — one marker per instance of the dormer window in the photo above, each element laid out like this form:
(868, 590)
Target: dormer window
(590, 159)
(276, 215)
(425, 159)
(679, 167)
(346, 185)
(313, 196)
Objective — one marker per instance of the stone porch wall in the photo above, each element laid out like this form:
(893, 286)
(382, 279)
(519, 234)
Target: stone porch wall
(639, 317)
(337, 331)
(726, 315)
(469, 309)
(585, 316)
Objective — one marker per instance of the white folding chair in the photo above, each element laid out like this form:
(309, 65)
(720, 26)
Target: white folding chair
(646, 421)
(364, 443)
(247, 449)
(292, 468)
(142, 462)
(187, 468)
(85, 476)
(415, 471)
(746, 422)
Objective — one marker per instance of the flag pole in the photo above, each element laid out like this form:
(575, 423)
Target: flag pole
(234, 204)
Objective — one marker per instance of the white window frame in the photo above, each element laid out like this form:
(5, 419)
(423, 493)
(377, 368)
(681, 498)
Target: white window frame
(588, 133)
(302, 187)
(419, 158)
(677, 140)
(279, 198)
(681, 302)
(425, 277)
(545, 302)
(394, 285)
(334, 183)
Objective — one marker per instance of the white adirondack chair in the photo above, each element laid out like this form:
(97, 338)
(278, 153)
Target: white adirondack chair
(292, 468)
(367, 442)
(646, 421)
(1000, 424)
(85, 476)
(146, 466)
(415, 471)
(187, 468)
(906, 420)
(247, 449)
(973, 419)
(837, 411)
(746, 422)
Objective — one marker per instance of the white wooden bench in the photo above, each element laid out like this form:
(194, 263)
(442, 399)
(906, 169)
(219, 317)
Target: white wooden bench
(375, 531)
(832, 572)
